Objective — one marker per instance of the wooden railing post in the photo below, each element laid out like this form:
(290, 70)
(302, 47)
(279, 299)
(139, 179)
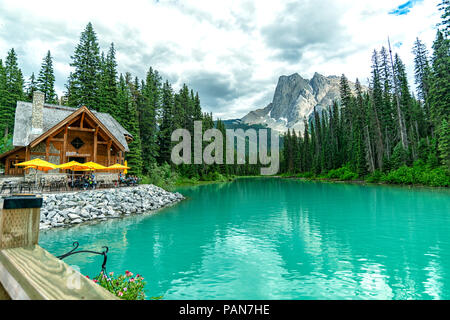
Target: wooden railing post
(19, 221)
(19, 224)
(28, 272)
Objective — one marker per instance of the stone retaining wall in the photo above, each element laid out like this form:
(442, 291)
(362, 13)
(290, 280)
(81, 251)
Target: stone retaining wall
(66, 209)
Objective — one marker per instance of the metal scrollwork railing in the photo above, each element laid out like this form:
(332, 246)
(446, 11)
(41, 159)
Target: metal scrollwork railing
(75, 251)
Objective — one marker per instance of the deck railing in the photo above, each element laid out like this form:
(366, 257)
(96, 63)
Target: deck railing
(29, 272)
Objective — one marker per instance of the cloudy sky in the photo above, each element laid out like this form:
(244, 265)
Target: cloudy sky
(231, 52)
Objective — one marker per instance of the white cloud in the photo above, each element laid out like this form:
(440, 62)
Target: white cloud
(247, 45)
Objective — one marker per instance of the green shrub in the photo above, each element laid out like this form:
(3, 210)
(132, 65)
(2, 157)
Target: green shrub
(419, 173)
(403, 175)
(344, 173)
(214, 176)
(162, 176)
(374, 177)
(308, 175)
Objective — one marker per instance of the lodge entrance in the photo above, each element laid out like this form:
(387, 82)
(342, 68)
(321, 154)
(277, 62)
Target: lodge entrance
(79, 160)
(13, 170)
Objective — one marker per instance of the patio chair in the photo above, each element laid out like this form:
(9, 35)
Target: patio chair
(26, 185)
(9, 185)
(44, 183)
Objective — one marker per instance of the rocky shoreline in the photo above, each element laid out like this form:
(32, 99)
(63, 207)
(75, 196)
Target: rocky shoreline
(69, 209)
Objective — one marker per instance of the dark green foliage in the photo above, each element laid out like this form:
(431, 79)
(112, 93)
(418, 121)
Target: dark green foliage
(439, 95)
(344, 173)
(108, 84)
(11, 90)
(167, 124)
(46, 79)
(31, 87)
(444, 143)
(83, 86)
(444, 7)
(3, 101)
(418, 174)
(130, 96)
(148, 108)
(162, 176)
(422, 73)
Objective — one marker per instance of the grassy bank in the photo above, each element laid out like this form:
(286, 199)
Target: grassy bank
(167, 178)
(419, 174)
(212, 178)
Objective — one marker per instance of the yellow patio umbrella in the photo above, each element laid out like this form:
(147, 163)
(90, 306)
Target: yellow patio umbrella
(73, 165)
(94, 166)
(117, 166)
(37, 164)
(125, 171)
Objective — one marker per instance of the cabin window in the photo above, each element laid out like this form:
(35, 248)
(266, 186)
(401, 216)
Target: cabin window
(77, 143)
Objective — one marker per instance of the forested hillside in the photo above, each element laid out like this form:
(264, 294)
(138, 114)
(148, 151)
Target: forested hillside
(148, 108)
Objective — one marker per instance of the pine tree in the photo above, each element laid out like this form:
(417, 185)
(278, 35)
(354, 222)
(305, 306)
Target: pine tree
(439, 95)
(122, 100)
(46, 79)
(13, 89)
(406, 102)
(3, 101)
(444, 6)
(346, 107)
(148, 110)
(422, 72)
(197, 110)
(131, 124)
(108, 83)
(84, 81)
(386, 109)
(31, 88)
(306, 147)
(399, 113)
(167, 125)
(444, 143)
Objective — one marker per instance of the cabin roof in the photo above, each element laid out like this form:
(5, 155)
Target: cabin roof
(54, 114)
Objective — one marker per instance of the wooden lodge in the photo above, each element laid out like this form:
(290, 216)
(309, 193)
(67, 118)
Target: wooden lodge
(60, 134)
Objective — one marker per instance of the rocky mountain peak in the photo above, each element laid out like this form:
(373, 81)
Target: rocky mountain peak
(294, 100)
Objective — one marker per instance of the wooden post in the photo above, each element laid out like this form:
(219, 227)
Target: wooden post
(95, 143)
(109, 152)
(82, 120)
(27, 157)
(19, 221)
(27, 153)
(7, 166)
(64, 145)
(47, 149)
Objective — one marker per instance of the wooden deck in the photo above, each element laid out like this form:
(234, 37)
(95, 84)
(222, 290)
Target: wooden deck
(27, 271)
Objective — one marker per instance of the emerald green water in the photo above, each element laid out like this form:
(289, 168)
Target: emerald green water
(280, 239)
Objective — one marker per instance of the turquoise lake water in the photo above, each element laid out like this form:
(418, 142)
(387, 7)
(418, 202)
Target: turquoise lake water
(269, 238)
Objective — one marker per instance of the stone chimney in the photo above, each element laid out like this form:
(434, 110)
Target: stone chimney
(37, 113)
